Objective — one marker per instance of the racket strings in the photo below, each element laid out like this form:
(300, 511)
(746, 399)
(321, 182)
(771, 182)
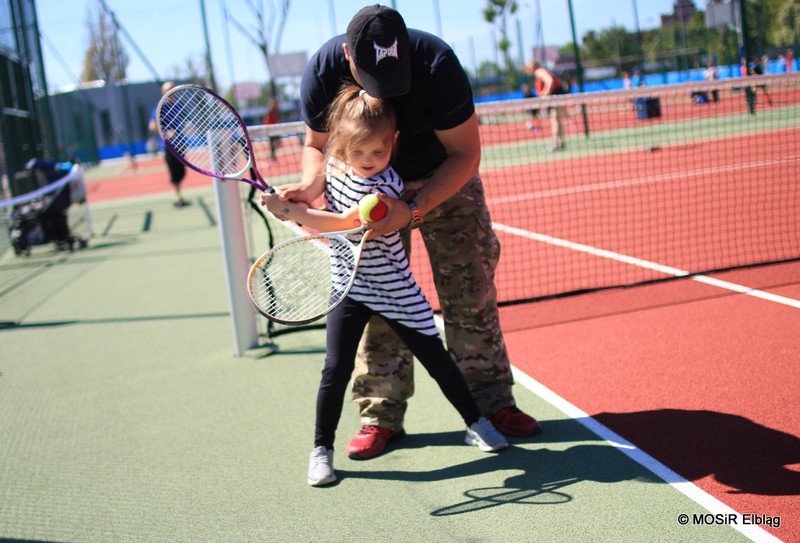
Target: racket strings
(301, 280)
(205, 132)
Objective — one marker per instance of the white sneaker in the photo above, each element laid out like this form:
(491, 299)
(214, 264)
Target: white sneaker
(320, 467)
(485, 436)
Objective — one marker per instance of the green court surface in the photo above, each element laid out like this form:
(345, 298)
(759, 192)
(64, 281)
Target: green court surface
(125, 416)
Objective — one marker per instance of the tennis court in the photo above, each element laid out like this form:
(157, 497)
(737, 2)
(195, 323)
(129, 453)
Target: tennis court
(128, 418)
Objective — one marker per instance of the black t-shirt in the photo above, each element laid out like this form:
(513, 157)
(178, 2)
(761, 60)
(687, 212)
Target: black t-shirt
(440, 99)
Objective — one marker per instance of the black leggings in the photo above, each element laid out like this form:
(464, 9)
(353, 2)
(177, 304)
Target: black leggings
(345, 326)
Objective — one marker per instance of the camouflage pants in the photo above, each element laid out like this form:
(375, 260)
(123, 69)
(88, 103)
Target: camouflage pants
(464, 253)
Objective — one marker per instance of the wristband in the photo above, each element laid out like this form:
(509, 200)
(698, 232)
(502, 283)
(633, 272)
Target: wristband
(416, 216)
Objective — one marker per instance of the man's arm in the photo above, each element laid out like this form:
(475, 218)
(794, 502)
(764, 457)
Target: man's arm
(312, 180)
(463, 146)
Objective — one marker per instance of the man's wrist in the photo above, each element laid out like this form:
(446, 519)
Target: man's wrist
(416, 215)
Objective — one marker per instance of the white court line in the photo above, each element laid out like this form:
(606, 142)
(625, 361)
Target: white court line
(641, 180)
(667, 270)
(679, 483)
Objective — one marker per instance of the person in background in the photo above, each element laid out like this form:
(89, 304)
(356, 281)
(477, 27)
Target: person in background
(637, 78)
(177, 171)
(711, 73)
(758, 69)
(627, 82)
(744, 68)
(271, 117)
(547, 84)
(437, 156)
(533, 124)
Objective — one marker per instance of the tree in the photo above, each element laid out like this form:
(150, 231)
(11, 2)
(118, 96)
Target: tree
(260, 33)
(105, 57)
(193, 69)
(497, 12)
(614, 44)
(785, 27)
(488, 68)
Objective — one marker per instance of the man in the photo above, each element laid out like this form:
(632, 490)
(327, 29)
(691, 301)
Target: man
(438, 157)
(177, 171)
(547, 84)
(711, 73)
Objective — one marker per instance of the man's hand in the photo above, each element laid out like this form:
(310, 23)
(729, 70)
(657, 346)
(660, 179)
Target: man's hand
(294, 193)
(279, 206)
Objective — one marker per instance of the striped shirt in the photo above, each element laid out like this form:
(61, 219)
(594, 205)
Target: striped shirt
(384, 282)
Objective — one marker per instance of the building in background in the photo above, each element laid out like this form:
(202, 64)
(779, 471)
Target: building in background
(114, 117)
(682, 12)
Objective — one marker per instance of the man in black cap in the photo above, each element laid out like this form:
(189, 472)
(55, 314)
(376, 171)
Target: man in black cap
(438, 154)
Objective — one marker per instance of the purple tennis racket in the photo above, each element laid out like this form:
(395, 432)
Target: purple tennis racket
(204, 132)
(297, 281)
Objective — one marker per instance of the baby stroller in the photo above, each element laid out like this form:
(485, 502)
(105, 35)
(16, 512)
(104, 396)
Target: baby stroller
(44, 219)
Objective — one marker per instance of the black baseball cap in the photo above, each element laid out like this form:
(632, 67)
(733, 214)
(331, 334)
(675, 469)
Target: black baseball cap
(377, 39)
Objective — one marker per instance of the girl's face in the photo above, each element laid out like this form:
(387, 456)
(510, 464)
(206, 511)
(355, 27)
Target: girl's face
(372, 156)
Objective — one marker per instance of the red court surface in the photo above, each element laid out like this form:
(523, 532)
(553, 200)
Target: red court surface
(703, 379)
(147, 176)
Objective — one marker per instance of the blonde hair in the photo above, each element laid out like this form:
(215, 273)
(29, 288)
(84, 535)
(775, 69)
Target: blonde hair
(354, 118)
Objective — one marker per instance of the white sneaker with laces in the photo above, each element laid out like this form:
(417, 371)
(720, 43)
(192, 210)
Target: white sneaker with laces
(485, 436)
(320, 467)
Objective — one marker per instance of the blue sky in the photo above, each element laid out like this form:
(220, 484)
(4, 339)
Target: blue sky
(169, 31)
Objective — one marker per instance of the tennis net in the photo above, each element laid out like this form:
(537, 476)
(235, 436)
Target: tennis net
(651, 184)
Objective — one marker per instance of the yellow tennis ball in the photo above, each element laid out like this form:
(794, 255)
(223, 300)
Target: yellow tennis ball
(371, 209)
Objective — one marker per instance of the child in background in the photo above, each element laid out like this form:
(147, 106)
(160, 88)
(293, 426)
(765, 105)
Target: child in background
(362, 138)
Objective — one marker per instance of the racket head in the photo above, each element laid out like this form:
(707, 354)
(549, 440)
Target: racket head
(303, 279)
(206, 133)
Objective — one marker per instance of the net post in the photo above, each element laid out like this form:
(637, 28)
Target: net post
(237, 264)
(234, 252)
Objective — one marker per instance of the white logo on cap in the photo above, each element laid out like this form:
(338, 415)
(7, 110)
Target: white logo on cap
(385, 52)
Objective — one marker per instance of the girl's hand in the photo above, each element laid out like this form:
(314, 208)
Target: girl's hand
(273, 203)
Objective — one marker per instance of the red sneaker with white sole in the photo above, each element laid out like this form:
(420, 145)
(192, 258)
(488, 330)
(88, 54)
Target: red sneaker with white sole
(370, 441)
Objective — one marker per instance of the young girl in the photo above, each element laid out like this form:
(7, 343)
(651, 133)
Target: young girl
(362, 135)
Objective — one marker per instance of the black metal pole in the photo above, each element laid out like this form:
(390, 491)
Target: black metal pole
(578, 67)
(209, 65)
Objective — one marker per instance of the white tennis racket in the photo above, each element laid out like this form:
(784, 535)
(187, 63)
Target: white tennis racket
(302, 279)
(207, 134)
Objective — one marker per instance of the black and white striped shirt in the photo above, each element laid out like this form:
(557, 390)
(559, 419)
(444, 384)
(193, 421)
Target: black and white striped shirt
(384, 282)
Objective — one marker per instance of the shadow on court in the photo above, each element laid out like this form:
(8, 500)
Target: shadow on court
(739, 453)
(112, 320)
(547, 473)
(746, 456)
